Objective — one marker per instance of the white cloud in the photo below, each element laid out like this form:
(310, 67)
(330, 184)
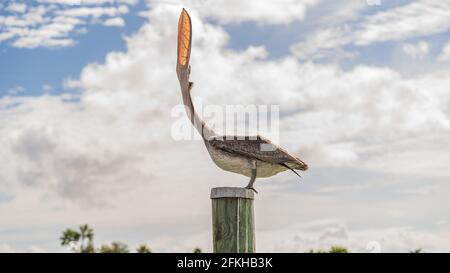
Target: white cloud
(114, 22)
(34, 16)
(95, 12)
(6, 248)
(33, 42)
(47, 88)
(17, 7)
(35, 249)
(445, 54)
(417, 51)
(6, 36)
(88, 2)
(52, 34)
(261, 11)
(16, 90)
(320, 235)
(424, 17)
(50, 25)
(415, 19)
(318, 43)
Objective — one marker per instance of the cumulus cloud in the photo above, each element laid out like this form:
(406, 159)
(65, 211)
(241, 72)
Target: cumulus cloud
(320, 235)
(415, 19)
(269, 12)
(110, 147)
(95, 12)
(49, 25)
(417, 51)
(114, 22)
(423, 17)
(445, 54)
(234, 11)
(47, 88)
(87, 2)
(17, 7)
(16, 90)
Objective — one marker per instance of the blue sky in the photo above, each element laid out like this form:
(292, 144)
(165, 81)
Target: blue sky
(34, 68)
(365, 87)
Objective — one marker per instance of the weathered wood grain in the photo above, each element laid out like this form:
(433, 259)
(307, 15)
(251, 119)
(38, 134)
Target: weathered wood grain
(233, 220)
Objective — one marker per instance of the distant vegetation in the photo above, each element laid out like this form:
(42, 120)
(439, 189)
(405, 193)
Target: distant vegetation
(333, 249)
(81, 240)
(197, 250)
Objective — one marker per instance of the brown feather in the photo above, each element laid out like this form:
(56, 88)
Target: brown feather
(259, 148)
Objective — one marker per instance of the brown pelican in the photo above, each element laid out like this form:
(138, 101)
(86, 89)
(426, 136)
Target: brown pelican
(249, 156)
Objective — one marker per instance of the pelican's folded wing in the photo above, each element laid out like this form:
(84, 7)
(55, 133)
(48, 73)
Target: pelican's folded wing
(258, 148)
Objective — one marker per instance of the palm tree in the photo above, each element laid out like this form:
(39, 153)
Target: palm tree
(86, 239)
(82, 241)
(79, 241)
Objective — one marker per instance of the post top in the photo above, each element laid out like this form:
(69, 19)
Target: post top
(232, 192)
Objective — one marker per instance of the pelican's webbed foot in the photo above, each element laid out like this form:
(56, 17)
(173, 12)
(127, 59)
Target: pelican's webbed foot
(251, 188)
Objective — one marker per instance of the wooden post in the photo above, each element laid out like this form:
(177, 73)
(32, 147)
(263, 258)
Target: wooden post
(233, 220)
